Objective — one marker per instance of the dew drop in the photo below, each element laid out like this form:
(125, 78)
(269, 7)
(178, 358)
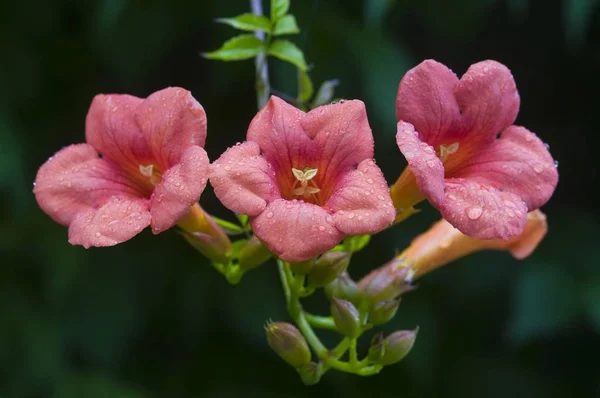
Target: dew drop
(409, 155)
(370, 180)
(556, 163)
(227, 168)
(270, 214)
(431, 164)
(380, 197)
(538, 168)
(547, 145)
(98, 234)
(351, 215)
(474, 212)
(445, 243)
(360, 218)
(321, 228)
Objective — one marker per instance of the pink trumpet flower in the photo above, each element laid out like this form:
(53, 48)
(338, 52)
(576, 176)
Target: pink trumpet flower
(143, 164)
(465, 155)
(305, 179)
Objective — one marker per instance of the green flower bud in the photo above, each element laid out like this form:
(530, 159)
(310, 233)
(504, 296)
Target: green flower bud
(328, 267)
(383, 311)
(310, 373)
(304, 267)
(346, 317)
(253, 254)
(288, 343)
(377, 348)
(398, 345)
(343, 287)
(386, 282)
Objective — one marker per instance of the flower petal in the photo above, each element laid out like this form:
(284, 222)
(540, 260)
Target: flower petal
(118, 220)
(426, 100)
(488, 98)
(75, 179)
(517, 162)
(242, 179)
(171, 120)
(179, 189)
(536, 228)
(422, 162)
(361, 201)
(481, 211)
(295, 230)
(283, 142)
(342, 133)
(111, 129)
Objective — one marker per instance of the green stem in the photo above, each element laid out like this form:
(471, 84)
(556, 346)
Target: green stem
(263, 86)
(322, 322)
(291, 287)
(353, 353)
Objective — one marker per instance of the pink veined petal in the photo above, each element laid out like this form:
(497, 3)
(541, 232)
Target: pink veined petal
(295, 230)
(242, 179)
(517, 162)
(482, 211)
(426, 100)
(342, 134)
(361, 201)
(118, 220)
(75, 179)
(171, 120)
(179, 189)
(284, 144)
(111, 129)
(422, 162)
(488, 98)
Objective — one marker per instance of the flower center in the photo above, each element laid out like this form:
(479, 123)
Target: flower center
(151, 173)
(447, 150)
(304, 185)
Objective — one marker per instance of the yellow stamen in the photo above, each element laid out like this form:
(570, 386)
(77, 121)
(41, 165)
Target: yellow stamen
(153, 174)
(305, 177)
(447, 150)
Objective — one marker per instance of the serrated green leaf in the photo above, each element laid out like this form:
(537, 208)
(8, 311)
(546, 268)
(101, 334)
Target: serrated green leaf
(286, 26)
(325, 93)
(289, 52)
(305, 87)
(229, 227)
(237, 48)
(248, 21)
(278, 9)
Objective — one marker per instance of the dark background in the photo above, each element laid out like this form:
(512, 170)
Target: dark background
(150, 318)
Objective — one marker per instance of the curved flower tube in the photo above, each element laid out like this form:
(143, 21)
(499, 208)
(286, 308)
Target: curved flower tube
(306, 180)
(143, 164)
(464, 155)
(443, 243)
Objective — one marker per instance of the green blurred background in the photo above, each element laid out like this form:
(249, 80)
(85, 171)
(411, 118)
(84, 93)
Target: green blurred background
(150, 318)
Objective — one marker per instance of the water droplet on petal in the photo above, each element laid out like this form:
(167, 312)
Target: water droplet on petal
(98, 234)
(409, 155)
(431, 163)
(360, 218)
(556, 163)
(321, 228)
(351, 215)
(270, 214)
(227, 168)
(538, 168)
(370, 180)
(474, 212)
